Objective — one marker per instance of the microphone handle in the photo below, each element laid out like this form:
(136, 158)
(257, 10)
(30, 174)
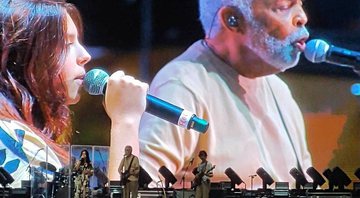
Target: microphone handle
(95, 83)
(174, 114)
(343, 57)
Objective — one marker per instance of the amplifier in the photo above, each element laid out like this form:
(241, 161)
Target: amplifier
(154, 192)
(115, 189)
(116, 194)
(223, 185)
(184, 194)
(5, 192)
(20, 191)
(25, 183)
(324, 194)
(15, 192)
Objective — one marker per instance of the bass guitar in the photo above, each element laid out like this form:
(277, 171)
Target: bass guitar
(198, 177)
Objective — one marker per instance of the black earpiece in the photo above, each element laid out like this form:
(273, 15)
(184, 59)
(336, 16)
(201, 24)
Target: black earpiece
(233, 21)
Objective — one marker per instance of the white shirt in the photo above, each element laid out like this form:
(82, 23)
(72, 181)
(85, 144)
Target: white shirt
(246, 131)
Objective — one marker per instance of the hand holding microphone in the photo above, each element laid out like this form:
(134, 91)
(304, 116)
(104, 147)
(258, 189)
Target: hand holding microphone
(82, 160)
(123, 94)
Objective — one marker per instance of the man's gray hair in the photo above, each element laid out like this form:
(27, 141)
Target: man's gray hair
(208, 10)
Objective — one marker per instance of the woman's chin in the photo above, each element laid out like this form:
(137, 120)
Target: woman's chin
(72, 101)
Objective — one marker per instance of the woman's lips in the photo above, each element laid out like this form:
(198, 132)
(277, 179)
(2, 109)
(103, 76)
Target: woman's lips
(79, 80)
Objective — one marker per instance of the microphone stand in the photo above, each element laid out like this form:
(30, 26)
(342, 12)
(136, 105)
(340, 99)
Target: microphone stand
(29, 169)
(29, 166)
(162, 187)
(102, 160)
(183, 177)
(103, 168)
(251, 181)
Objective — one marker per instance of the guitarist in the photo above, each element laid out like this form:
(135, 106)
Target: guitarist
(202, 178)
(129, 169)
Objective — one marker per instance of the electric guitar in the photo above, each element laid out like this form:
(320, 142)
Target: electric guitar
(124, 177)
(198, 177)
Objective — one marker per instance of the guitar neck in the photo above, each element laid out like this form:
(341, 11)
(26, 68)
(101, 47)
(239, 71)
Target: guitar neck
(204, 172)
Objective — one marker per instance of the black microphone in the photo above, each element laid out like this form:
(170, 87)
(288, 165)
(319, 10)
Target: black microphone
(317, 51)
(95, 84)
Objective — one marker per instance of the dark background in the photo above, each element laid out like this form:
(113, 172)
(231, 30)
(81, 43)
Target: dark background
(116, 23)
(136, 24)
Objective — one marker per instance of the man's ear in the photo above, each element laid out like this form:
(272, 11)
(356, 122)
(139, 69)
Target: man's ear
(232, 19)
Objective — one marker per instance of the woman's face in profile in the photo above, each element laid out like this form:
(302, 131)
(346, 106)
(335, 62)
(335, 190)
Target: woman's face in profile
(76, 57)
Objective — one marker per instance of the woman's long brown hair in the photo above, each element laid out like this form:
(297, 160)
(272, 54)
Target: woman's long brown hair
(32, 49)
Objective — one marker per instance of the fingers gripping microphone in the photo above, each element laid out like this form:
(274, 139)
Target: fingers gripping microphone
(317, 51)
(95, 84)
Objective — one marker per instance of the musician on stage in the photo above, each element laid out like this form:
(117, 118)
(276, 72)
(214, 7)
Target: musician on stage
(202, 177)
(83, 171)
(129, 169)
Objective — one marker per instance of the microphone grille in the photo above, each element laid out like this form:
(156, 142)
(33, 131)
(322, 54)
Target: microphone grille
(316, 50)
(95, 81)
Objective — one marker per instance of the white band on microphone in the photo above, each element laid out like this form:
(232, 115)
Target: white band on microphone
(185, 118)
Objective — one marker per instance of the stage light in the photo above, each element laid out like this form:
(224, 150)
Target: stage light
(329, 176)
(234, 178)
(355, 89)
(356, 185)
(144, 178)
(5, 177)
(357, 173)
(342, 179)
(266, 178)
(318, 180)
(299, 177)
(169, 177)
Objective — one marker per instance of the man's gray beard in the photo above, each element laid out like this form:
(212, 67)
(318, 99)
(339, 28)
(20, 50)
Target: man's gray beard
(281, 54)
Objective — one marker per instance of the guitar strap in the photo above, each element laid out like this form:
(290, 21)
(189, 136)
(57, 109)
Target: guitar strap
(204, 168)
(128, 169)
(124, 179)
